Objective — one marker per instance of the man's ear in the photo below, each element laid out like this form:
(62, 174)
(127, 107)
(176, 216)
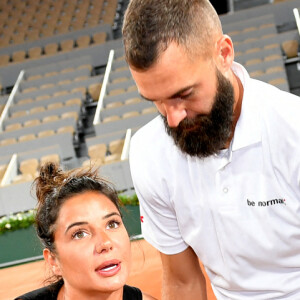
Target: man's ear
(52, 262)
(225, 53)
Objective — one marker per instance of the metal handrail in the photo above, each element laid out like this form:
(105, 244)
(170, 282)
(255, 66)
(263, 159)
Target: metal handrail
(103, 88)
(10, 99)
(296, 14)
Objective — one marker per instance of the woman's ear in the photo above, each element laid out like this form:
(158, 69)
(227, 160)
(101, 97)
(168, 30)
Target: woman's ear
(52, 261)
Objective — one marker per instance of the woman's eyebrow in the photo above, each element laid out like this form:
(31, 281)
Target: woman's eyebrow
(85, 223)
(75, 224)
(110, 215)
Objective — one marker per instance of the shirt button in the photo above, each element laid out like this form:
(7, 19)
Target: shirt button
(225, 190)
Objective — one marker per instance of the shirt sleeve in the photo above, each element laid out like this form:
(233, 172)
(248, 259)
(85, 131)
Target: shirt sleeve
(158, 217)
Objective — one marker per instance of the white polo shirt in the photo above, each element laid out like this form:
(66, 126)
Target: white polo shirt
(239, 210)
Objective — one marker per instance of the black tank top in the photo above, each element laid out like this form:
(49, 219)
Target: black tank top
(50, 292)
(132, 293)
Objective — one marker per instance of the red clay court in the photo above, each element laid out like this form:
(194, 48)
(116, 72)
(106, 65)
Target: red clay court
(146, 274)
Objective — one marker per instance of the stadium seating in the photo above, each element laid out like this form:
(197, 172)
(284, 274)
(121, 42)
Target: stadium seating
(67, 98)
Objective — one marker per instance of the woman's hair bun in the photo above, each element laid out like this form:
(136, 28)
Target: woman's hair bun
(49, 171)
(48, 181)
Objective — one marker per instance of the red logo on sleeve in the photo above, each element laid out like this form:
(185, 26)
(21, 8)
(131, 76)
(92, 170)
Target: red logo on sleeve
(142, 219)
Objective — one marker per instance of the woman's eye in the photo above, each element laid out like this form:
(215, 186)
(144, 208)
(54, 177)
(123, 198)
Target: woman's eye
(113, 225)
(79, 235)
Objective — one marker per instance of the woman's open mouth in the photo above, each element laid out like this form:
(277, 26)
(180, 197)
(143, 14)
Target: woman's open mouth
(109, 268)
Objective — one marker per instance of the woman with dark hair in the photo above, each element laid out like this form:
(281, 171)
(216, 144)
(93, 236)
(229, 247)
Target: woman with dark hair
(85, 242)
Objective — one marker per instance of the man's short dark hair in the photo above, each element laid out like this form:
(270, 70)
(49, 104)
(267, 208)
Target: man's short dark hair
(151, 25)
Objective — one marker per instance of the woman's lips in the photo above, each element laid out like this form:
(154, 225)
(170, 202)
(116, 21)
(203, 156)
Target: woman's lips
(109, 268)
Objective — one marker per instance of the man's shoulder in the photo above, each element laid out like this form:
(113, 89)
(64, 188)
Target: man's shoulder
(271, 94)
(152, 132)
(151, 145)
(279, 117)
(274, 102)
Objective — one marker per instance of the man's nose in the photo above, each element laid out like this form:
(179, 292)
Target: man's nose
(175, 113)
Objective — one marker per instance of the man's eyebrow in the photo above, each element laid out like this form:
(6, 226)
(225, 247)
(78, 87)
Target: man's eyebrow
(174, 96)
(85, 223)
(145, 98)
(178, 94)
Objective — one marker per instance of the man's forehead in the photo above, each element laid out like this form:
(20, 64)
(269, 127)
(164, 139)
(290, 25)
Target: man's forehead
(166, 81)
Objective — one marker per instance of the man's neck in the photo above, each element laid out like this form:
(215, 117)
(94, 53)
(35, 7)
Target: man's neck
(238, 98)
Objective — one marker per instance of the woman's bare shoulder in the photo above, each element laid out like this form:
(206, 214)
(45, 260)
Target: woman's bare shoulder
(148, 297)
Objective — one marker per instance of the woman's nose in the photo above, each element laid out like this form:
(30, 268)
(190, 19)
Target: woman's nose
(104, 243)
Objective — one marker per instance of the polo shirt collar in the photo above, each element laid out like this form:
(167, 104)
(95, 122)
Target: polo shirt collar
(248, 127)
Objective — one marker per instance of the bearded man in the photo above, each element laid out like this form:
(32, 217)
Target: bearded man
(217, 173)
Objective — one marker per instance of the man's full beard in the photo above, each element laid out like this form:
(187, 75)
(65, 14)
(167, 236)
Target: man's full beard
(205, 135)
